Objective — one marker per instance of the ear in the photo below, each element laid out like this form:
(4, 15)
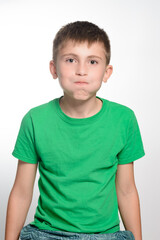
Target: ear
(108, 72)
(52, 68)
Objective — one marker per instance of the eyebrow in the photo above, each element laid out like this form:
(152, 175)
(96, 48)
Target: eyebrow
(72, 54)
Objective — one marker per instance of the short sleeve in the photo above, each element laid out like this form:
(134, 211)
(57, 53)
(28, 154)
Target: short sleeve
(24, 148)
(133, 148)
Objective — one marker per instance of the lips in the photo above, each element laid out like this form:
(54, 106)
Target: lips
(81, 82)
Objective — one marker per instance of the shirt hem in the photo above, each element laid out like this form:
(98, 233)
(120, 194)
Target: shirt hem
(134, 158)
(24, 159)
(111, 230)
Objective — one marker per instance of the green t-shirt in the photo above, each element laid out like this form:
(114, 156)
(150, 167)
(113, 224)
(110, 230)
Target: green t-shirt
(77, 160)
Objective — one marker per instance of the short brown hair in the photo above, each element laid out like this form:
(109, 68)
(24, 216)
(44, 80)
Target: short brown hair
(81, 31)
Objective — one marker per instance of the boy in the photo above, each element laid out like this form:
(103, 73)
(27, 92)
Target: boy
(84, 147)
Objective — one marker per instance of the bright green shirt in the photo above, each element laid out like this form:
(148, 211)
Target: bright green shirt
(77, 160)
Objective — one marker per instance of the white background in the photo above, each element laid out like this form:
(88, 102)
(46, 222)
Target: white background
(27, 29)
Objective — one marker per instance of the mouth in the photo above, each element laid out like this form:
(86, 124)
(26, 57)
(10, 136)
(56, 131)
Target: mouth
(80, 82)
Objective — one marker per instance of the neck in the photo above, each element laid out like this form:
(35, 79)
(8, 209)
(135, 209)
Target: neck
(80, 108)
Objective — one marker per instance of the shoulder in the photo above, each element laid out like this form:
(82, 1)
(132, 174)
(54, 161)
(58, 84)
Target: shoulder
(43, 107)
(40, 111)
(119, 110)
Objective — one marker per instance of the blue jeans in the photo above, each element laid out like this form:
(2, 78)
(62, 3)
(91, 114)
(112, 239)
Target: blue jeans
(30, 232)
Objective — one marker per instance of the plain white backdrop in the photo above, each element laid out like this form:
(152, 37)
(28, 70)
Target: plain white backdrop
(27, 29)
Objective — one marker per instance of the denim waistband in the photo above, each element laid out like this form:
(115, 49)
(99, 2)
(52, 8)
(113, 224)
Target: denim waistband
(30, 232)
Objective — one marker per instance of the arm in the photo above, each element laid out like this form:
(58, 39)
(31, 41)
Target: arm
(20, 199)
(128, 200)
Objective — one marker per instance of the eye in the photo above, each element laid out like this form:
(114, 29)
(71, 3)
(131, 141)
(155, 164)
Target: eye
(93, 62)
(70, 60)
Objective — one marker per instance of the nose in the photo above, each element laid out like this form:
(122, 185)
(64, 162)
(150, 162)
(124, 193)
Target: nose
(81, 69)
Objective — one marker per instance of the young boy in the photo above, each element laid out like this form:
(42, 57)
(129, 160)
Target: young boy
(84, 147)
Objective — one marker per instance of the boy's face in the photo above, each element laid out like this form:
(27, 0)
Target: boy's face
(81, 69)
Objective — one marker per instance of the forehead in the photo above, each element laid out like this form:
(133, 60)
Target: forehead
(79, 47)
